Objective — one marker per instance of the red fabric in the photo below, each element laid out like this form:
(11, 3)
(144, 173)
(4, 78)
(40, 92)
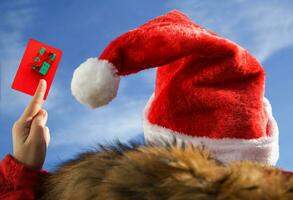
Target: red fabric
(18, 181)
(206, 85)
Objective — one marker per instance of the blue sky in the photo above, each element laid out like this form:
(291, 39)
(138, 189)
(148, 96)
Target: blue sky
(82, 29)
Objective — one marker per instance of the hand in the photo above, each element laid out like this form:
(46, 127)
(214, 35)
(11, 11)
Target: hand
(30, 134)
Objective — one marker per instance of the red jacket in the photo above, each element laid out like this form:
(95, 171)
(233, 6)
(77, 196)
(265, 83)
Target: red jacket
(18, 181)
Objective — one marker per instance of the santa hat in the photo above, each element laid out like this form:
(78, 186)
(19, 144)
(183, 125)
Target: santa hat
(209, 91)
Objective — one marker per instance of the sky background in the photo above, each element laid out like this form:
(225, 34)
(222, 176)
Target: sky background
(82, 29)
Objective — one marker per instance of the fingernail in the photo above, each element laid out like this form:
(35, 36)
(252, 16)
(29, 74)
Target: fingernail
(42, 83)
(42, 80)
(44, 113)
(45, 116)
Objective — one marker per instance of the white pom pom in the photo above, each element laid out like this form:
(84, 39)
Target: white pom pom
(94, 82)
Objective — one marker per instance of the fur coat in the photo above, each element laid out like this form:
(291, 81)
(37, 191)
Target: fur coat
(131, 172)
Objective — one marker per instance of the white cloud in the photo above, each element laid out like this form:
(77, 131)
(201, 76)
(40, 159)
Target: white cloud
(263, 28)
(13, 23)
(122, 121)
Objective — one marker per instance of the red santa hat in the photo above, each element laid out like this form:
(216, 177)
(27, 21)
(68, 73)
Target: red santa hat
(209, 91)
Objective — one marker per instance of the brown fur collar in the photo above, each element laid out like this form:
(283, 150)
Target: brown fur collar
(154, 173)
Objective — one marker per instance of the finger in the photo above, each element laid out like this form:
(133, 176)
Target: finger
(23, 129)
(47, 136)
(40, 119)
(36, 103)
(45, 116)
(38, 126)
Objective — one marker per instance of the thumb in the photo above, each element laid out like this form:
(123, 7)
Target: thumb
(38, 132)
(47, 136)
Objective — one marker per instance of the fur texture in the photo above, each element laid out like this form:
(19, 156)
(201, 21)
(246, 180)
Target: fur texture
(95, 82)
(172, 172)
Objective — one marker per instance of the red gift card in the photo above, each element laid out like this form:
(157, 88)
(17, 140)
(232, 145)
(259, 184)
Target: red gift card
(40, 61)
